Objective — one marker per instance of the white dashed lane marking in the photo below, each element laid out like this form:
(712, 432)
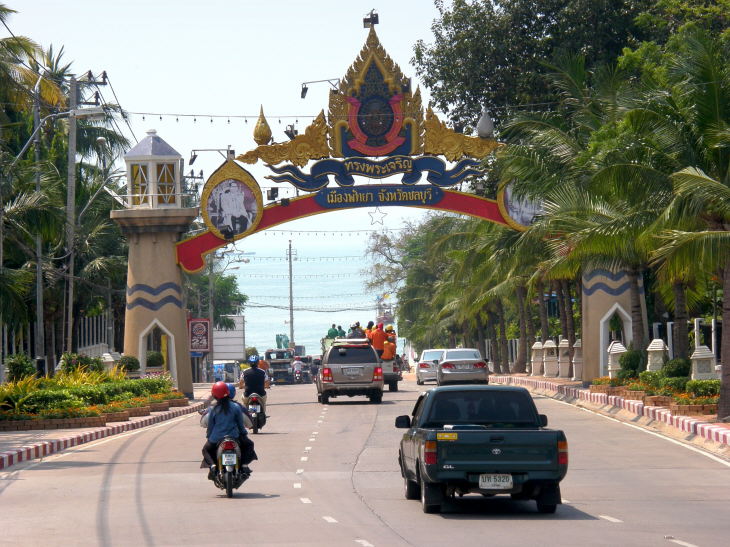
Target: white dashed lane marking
(305, 500)
(312, 439)
(300, 471)
(364, 543)
(329, 519)
(304, 458)
(297, 485)
(610, 519)
(680, 542)
(307, 448)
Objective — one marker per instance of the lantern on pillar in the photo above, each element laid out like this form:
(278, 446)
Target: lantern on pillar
(153, 173)
(564, 358)
(615, 351)
(703, 364)
(536, 359)
(550, 359)
(578, 360)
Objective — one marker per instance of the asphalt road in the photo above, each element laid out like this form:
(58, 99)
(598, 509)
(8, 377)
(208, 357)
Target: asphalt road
(328, 475)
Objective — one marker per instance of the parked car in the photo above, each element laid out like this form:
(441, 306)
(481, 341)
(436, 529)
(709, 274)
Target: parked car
(462, 366)
(485, 439)
(428, 365)
(350, 367)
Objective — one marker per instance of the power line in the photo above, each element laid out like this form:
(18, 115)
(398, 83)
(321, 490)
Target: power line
(124, 115)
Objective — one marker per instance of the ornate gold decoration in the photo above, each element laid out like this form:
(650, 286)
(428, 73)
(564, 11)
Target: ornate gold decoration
(262, 131)
(310, 146)
(373, 52)
(442, 141)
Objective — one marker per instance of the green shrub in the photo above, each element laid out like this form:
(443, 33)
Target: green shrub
(77, 361)
(676, 368)
(633, 362)
(129, 362)
(19, 366)
(675, 383)
(703, 388)
(50, 400)
(652, 378)
(636, 386)
(91, 395)
(155, 359)
(626, 375)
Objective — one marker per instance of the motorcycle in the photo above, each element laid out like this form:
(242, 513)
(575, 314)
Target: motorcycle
(257, 412)
(230, 473)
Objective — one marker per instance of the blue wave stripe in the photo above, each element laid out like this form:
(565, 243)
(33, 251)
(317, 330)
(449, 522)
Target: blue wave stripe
(618, 276)
(154, 306)
(610, 290)
(154, 291)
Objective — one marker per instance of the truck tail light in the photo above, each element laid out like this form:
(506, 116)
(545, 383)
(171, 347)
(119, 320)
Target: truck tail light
(562, 452)
(327, 375)
(377, 374)
(447, 365)
(480, 364)
(430, 456)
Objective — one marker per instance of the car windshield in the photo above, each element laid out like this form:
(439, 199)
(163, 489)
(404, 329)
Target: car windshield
(462, 354)
(351, 355)
(432, 355)
(488, 408)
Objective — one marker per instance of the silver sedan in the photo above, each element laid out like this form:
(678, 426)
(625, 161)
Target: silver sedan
(428, 365)
(462, 365)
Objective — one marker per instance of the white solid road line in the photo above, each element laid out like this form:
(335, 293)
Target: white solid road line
(669, 439)
(364, 543)
(680, 542)
(305, 500)
(329, 519)
(609, 519)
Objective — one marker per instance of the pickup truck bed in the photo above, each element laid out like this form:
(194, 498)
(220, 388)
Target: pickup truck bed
(486, 439)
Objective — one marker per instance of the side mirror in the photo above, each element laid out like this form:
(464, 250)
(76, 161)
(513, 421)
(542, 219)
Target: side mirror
(542, 419)
(403, 422)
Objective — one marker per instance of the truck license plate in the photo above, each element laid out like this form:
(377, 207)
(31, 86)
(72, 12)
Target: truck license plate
(495, 481)
(351, 371)
(229, 459)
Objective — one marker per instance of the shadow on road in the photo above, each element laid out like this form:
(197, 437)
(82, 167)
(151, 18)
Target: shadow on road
(478, 508)
(251, 495)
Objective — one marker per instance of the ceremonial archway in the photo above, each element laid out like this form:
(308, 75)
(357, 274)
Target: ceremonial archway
(375, 128)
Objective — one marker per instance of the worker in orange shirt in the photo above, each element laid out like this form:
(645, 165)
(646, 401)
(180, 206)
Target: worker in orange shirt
(390, 331)
(388, 351)
(378, 338)
(369, 330)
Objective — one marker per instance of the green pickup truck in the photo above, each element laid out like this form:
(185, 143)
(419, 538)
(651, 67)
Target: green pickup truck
(486, 439)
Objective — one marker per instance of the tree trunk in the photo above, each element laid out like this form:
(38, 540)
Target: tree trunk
(681, 317)
(638, 340)
(481, 341)
(521, 358)
(723, 408)
(542, 308)
(569, 319)
(530, 328)
(504, 353)
(492, 335)
(561, 309)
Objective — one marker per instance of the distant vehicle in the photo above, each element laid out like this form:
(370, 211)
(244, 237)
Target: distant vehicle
(280, 368)
(462, 366)
(485, 439)
(350, 367)
(427, 366)
(226, 371)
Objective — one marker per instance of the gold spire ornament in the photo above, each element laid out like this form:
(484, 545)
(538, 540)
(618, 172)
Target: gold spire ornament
(310, 146)
(262, 131)
(442, 141)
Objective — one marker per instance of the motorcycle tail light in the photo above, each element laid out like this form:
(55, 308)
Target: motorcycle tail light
(327, 375)
(447, 365)
(377, 374)
(253, 400)
(228, 445)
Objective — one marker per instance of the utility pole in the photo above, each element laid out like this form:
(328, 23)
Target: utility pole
(291, 301)
(71, 212)
(40, 344)
(211, 310)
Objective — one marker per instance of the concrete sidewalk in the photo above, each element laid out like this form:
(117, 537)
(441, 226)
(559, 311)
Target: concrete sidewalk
(19, 446)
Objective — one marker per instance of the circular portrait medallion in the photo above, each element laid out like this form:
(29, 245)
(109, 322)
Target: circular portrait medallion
(231, 203)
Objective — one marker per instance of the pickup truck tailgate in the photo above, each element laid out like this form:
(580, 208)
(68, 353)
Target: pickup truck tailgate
(511, 450)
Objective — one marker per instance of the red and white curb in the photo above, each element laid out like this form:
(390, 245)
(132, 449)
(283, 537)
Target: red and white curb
(46, 448)
(695, 426)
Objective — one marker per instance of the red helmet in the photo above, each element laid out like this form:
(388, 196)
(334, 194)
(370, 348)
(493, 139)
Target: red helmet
(220, 390)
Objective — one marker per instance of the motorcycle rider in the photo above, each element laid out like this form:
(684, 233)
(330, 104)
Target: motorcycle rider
(253, 380)
(226, 420)
(297, 366)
